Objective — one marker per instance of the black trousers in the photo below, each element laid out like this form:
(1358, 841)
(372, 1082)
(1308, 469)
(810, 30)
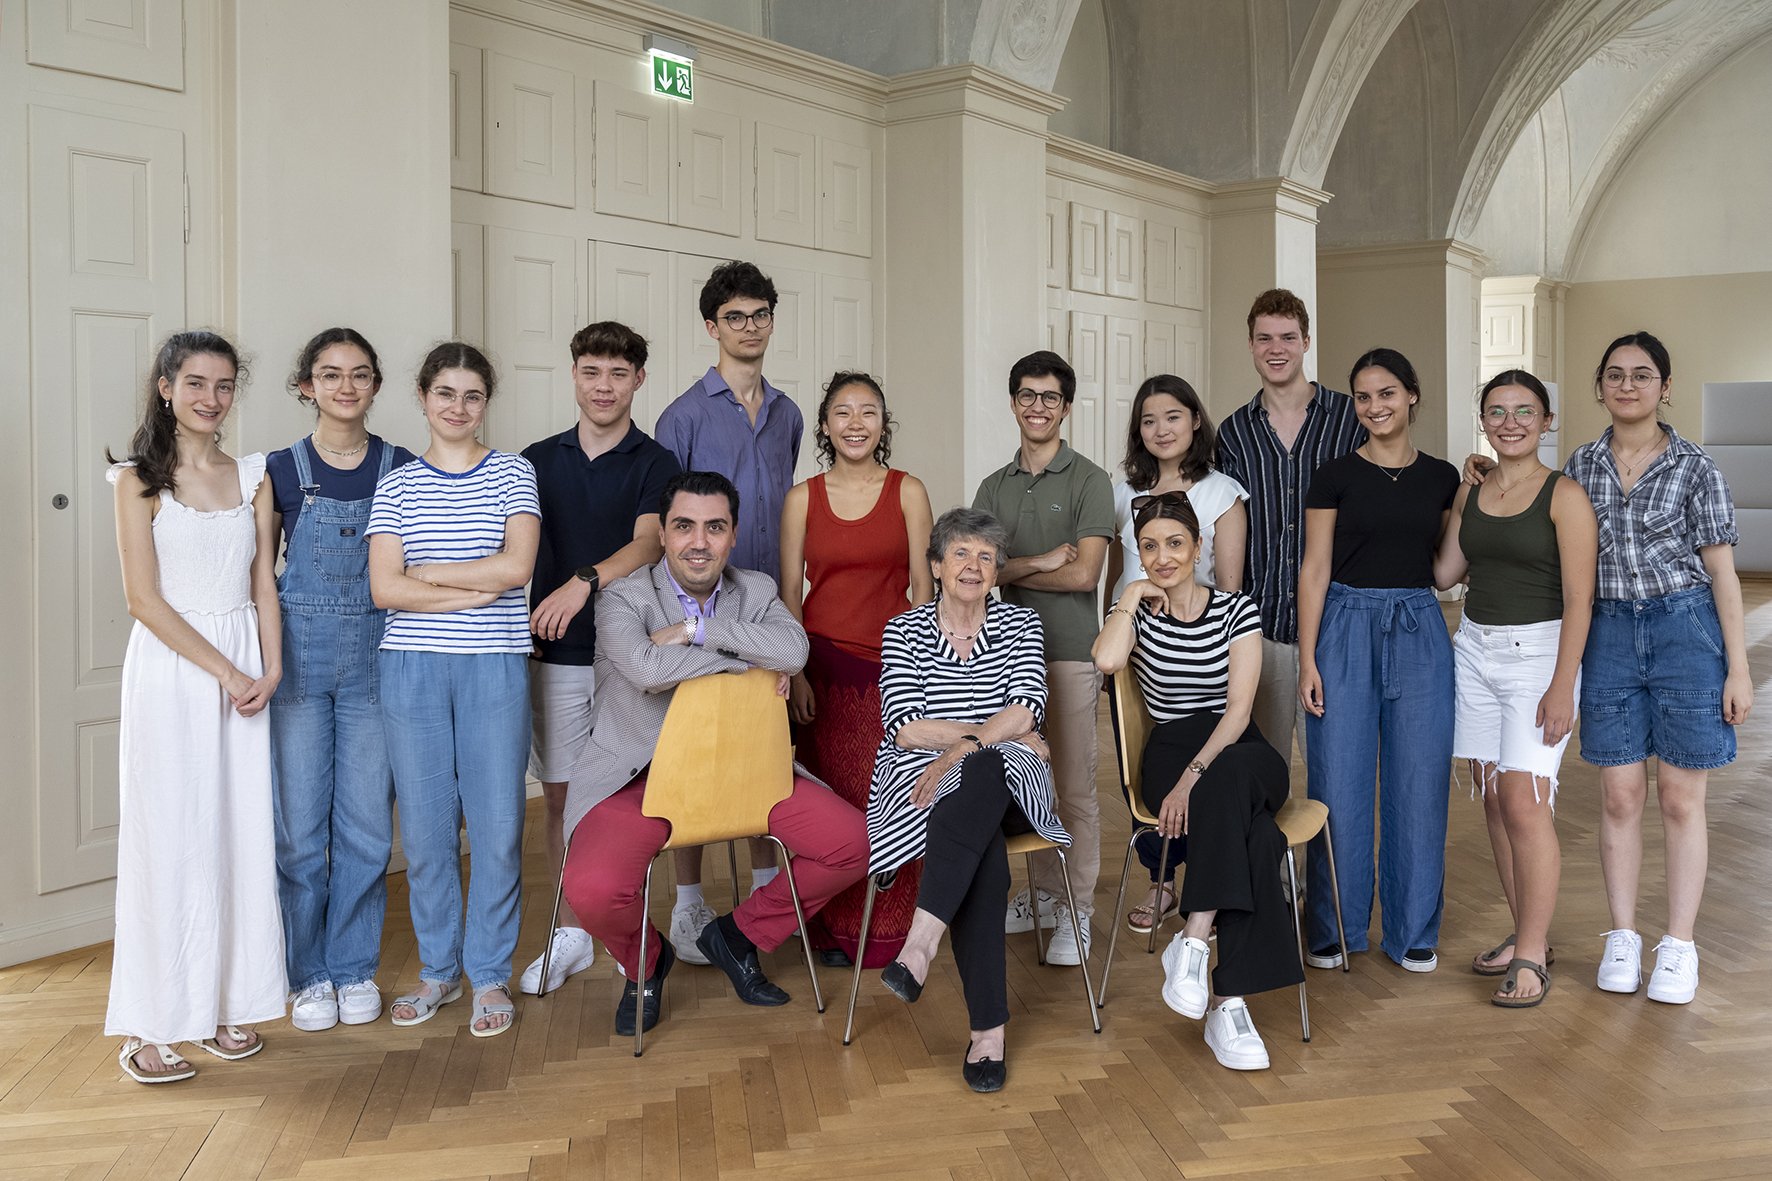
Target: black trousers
(966, 880)
(1233, 848)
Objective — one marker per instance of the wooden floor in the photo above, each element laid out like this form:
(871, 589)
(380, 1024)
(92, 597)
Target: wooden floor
(1406, 1075)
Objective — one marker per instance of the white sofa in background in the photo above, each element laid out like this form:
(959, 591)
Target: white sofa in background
(1738, 434)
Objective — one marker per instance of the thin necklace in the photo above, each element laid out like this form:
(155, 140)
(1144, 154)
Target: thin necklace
(951, 634)
(1398, 474)
(1630, 466)
(315, 440)
(1506, 488)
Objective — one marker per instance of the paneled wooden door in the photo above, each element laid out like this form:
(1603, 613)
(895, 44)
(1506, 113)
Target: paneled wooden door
(107, 283)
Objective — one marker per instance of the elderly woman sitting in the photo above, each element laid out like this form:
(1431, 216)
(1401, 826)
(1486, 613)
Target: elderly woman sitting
(962, 764)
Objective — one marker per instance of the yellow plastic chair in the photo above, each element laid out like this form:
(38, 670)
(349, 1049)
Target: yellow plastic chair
(1022, 844)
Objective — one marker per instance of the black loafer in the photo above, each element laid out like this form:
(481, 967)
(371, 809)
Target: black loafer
(900, 983)
(985, 1075)
(745, 972)
(624, 1012)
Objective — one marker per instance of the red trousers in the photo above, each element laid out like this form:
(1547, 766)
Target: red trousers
(612, 846)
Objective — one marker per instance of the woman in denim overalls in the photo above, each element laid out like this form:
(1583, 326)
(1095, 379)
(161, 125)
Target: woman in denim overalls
(331, 779)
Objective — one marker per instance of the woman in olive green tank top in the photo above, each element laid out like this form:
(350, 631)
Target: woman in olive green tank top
(1528, 542)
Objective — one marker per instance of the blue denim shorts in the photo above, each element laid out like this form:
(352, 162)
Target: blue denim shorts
(1652, 683)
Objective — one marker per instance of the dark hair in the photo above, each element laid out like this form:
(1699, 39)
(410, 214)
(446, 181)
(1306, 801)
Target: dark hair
(456, 354)
(959, 523)
(305, 360)
(1517, 377)
(698, 484)
(1140, 465)
(1396, 364)
(1277, 301)
(735, 280)
(154, 447)
(1165, 506)
(840, 380)
(610, 338)
(1044, 364)
(1657, 351)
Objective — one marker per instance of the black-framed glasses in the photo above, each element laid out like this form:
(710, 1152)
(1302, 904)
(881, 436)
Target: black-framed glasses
(1175, 497)
(1051, 399)
(736, 321)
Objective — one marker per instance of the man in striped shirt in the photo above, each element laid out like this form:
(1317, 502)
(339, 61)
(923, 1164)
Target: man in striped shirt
(1273, 447)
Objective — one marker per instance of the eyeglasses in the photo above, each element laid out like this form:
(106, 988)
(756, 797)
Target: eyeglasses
(473, 399)
(762, 318)
(1051, 399)
(1496, 415)
(1638, 379)
(1177, 498)
(332, 379)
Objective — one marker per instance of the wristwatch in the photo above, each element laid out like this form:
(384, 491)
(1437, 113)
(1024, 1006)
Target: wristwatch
(588, 574)
(973, 739)
(1197, 767)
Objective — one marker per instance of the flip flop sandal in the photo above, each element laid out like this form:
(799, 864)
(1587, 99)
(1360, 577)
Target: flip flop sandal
(1488, 965)
(1144, 909)
(484, 1009)
(181, 1069)
(424, 1005)
(1505, 998)
(238, 1052)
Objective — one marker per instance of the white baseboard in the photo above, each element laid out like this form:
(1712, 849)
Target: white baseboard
(30, 941)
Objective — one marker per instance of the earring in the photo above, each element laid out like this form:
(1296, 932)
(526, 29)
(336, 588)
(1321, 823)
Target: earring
(1666, 398)
(167, 403)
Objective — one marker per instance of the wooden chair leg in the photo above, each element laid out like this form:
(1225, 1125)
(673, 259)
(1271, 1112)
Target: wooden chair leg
(1304, 1008)
(547, 952)
(861, 950)
(1070, 899)
(787, 867)
(640, 985)
(1335, 889)
(1119, 909)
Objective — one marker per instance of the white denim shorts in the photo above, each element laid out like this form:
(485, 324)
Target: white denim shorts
(560, 710)
(1501, 673)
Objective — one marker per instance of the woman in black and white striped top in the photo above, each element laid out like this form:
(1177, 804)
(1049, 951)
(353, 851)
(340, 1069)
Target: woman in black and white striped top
(1208, 776)
(961, 765)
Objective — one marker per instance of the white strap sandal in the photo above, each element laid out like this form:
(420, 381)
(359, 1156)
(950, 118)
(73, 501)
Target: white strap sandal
(424, 1004)
(178, 1067)
(239, 1035)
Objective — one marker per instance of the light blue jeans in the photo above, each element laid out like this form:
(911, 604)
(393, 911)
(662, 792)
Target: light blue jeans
(1386, 662)
(458, 737)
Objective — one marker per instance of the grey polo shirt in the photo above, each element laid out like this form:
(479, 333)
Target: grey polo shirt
(1070, 500)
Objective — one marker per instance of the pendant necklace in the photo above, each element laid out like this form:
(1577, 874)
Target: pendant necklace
(1398, 474)
(314, 439)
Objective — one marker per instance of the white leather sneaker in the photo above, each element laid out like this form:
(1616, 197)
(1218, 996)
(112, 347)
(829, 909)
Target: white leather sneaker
(359, 1003)
(1020, 918)
(1621, 964)
(1185, 989)
(1230, 1033)
(1062, 948)
(686, 925)
(574, 951)
(1675, 978)
(315, 1008)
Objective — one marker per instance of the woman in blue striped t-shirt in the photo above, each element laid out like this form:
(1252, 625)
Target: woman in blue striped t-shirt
(452, 542)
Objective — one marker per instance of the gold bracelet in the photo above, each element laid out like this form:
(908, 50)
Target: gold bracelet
(1122, 611)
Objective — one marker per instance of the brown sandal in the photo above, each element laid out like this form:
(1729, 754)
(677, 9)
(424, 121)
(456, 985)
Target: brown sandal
(1488, 964)
(1505, 997)
(1166, 897)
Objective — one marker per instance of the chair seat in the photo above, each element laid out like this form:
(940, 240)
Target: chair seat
(1302, 820)
(1027, 842)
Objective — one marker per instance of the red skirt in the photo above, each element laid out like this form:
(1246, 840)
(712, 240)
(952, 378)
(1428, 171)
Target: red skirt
(839, 748)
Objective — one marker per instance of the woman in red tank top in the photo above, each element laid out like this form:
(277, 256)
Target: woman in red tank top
(852, 540)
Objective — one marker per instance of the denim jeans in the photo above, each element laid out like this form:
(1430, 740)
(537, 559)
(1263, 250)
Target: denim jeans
(1652, 683)
(1386, 663)
(458, 736)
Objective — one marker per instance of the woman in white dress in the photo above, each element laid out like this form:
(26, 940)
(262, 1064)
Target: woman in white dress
(199, 941)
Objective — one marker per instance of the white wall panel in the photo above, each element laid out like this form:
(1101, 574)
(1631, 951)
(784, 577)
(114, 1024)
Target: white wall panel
(530, 279)
(787, 185)
(705, 195)
(529, 130)
(467, 275)
(846, 197)
(1088, 248)
(633, 154)
(1088, 356)
(1125, 256)
(693, 351)
(1159, 262)
(1190, 268)
(1123, 372)
(467, 109)
(633, 286)
(130, 40)
(1159, 347)
(1058, 245)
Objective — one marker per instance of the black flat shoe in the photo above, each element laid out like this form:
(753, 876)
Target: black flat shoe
(745, 972)
(624, 1012)
(985, 1075)
(835, 957)
(900, 983)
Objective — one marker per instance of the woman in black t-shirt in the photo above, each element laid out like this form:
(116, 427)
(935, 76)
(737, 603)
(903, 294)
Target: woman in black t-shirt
(1375, 672)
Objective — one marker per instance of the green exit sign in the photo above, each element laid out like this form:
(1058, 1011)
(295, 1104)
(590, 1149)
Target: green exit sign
(673, 77)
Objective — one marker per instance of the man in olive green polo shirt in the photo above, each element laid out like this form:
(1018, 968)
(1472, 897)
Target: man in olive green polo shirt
(1059, 510)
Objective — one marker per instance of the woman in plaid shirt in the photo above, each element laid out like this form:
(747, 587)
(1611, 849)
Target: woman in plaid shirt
(1665, 670)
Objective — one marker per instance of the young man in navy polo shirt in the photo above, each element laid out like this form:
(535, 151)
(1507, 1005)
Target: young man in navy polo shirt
(600, 481)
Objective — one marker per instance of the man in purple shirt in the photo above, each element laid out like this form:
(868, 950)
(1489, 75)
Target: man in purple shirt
(734, 422)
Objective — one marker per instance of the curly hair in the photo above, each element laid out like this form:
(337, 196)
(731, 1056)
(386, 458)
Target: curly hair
(841, 380)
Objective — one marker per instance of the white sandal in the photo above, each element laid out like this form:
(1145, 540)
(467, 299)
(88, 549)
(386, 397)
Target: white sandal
(425, 1004)
(181, 1069)
(238, 1052)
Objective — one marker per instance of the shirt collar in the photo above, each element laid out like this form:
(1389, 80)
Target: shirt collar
(1310, 407)
(1059, 462)
(629, 441)
(691, 608)
(713, 383)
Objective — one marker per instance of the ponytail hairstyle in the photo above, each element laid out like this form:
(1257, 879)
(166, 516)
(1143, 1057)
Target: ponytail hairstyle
(310, 356)
(154, 448)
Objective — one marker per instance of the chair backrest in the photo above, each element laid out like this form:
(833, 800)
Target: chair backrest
(1132, 727)
(724, 759)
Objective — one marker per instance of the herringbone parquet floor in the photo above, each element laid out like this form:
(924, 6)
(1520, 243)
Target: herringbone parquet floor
(1406, 1075)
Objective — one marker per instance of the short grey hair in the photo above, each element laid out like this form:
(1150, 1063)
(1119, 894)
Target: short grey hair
(958, 524)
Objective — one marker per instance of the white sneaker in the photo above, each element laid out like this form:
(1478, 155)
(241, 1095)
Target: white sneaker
(574, 951)
(1184, 977)
(1621, 964)
(1020, 918)
(359, 1003)
(686, 925)
(1230, 1032)
(315, 1008)
(1675, 978)
(1062, 948)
